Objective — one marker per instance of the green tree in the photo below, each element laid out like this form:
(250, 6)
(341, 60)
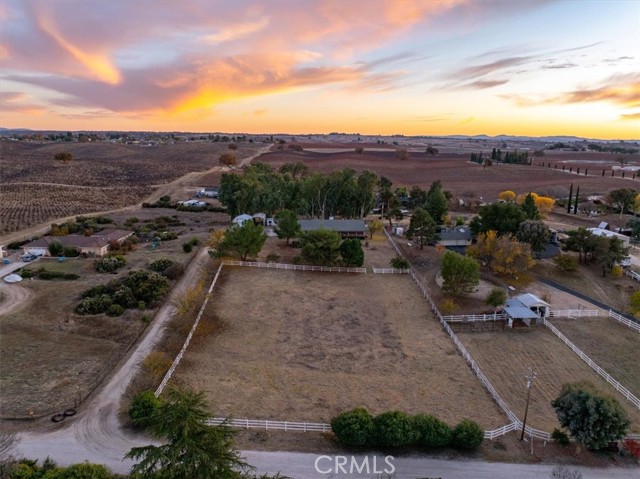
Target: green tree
(436, 203)
(581, 241)
(394, 429)
(353, 428)
(622, 199)
(422, 228)
(607, 252)
(56, 248)
(496, 298)
(374, 226)
(244, 240)
(64, 156)
(351, 252)
(431, 431)
(634, 303)
(534, 232)
(143, 409)
(502, 218)
(460, 274)
(193, 448)
(288, 226)
(529, 207)
(394, 214)
(320, 247)
(592, 419)
(566, 262)
(467, 435)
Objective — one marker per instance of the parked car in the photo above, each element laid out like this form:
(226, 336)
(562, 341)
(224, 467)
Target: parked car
(28, 257)
(625, 262)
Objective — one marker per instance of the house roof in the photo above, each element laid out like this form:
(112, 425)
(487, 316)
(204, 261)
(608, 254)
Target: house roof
(98, 240)
(460, 233)
(517, 310)
(341, 226)
(242, 218)
(531, 300)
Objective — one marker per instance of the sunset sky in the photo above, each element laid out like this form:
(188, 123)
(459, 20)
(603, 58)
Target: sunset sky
(316, 66)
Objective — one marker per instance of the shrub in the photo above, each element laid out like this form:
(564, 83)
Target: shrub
(94, 305)
(115, 310)
(27, 273)
(399, 263)
(174, 271)
(617, 271)
(467, 435)
(48, 275)
(566, 262)
(351, 252)
(56, 248)
(448, 306)
(142, 305)
(143, 408)
(109, 264)
(70, 252)
(631, 447)
(194, 241)
(166, 235)
(353, 428)
(394, 429)
(160, 265)
(296, 260)
(187, 248)
(273, 258)
(157, 364)
(431, 431)
(560, 437)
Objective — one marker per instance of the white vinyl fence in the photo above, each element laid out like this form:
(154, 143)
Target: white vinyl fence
(627, 322)
(632, 274)
(573, 313)
(270, 425)
(471, 318)
(390, 271)
(610, 379)
(178, 358)
(296, 267)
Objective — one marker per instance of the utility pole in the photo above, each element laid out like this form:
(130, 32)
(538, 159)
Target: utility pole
(530, 376)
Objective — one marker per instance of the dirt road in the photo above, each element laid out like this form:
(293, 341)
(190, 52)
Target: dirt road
(162, 190)
(14, 297)
(95, 431)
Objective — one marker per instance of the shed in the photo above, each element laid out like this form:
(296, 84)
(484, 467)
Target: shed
(525, 308)
(346, 228)
(610, 234)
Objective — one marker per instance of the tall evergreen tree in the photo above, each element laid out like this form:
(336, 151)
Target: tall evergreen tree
(529, 207)
(575, 207)
(570, 198)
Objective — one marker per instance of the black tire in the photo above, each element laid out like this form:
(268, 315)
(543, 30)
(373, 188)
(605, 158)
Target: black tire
(69, 412)
(57, 417)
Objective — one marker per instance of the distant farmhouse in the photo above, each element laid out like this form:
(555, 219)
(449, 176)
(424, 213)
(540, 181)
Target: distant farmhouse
(346, 228)
(94, 245)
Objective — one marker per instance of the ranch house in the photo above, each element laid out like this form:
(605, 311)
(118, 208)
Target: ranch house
(94, 245)
(346, 228)
(458, 236)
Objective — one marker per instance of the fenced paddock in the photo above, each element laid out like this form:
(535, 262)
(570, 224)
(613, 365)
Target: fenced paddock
(610, 344)
(593, 365)
(310, 346)
(295, 267)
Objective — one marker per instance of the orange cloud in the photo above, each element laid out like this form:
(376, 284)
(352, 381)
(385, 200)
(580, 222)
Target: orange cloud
(237, 31)
(624, 91)
(630, 116)
(99, 66)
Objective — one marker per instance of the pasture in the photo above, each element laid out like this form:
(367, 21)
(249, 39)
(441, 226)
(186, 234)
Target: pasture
(505, 356)
(305, 346)
(613, 346)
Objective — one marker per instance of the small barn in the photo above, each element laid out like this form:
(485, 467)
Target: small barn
(525, 309)
(346, 228)
(242, 219)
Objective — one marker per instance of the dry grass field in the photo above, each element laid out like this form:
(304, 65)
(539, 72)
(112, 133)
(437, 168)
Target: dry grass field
(49, 356)
(306, 346)
(613, 346)
(505, 356)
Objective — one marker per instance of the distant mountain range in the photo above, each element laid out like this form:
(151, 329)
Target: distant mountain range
(553, 139)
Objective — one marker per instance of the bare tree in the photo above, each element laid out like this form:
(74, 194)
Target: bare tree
(8, 443)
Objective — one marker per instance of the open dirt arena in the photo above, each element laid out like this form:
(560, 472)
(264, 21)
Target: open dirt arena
(612, 345)
(505, 356)
(305, 346)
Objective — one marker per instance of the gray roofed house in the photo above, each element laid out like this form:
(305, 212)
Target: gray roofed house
(346, 228)
(458, 236)
(96, 244)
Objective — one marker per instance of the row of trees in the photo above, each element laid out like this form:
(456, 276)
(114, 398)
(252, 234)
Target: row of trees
(397, 429)
(601, 250)
(521, 158)
(260, 189)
